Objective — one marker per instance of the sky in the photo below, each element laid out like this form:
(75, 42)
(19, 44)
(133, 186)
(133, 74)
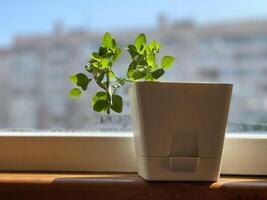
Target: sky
(38, 16)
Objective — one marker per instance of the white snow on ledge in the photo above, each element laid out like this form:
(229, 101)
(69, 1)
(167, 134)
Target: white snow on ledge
(84, 133)
(61, 133)
(248, 135)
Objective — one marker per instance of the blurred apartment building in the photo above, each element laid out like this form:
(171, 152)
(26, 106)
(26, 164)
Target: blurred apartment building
(5, 58)
(35, 70)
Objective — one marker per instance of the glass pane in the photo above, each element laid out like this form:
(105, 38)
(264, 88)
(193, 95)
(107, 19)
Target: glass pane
(42, 43)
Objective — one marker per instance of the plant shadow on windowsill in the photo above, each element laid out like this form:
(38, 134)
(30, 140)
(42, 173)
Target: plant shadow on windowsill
(124, 178)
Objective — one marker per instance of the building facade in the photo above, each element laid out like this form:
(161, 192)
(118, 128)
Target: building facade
(38, 67)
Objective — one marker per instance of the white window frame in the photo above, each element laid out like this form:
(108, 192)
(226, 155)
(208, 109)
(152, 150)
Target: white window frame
(103, 152)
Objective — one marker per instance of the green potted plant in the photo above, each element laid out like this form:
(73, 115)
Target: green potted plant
(179, 128)
(99, 67)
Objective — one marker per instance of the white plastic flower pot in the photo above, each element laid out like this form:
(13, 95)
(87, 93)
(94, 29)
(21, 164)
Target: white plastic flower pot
(179, 129)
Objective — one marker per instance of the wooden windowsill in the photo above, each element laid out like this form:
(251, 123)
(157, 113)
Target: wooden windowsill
(78, 186)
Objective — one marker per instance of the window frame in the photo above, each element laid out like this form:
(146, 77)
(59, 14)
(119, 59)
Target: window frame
(243, 154)
(105, 152)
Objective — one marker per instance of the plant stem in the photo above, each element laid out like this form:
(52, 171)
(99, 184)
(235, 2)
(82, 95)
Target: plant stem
(109, 97)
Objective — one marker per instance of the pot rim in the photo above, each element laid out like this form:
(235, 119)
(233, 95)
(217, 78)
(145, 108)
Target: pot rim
(182, 83)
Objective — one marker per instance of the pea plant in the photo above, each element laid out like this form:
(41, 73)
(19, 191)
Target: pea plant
(143, 66)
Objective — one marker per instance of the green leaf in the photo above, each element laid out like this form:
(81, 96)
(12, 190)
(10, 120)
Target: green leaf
(107, 40)
(141, 39)
(131, 69)
(151, 60)
(116, 55)
(143, 62)
(97, 65)
(132, 50)
(100, 102)
(157, 73)
(108, 55)
(139, 58)
(80, 80)
(149, 50)
(105, 63)
(100, 105)
(75, 92)
(102, 51)
(139, 74)
(114, 45)
(154, 45)
(157, 46)
(100, 95)
(135, 72)
(117, 103)
(167, 62)
(149, 77)
(143, 48)
(95, 56)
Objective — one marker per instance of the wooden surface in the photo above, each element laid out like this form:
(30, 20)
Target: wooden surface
(40, 186)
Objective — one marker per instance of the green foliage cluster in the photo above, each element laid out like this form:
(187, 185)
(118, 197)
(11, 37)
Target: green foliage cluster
(143, 66)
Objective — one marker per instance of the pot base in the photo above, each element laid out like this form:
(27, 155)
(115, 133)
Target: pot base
(178, 168)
